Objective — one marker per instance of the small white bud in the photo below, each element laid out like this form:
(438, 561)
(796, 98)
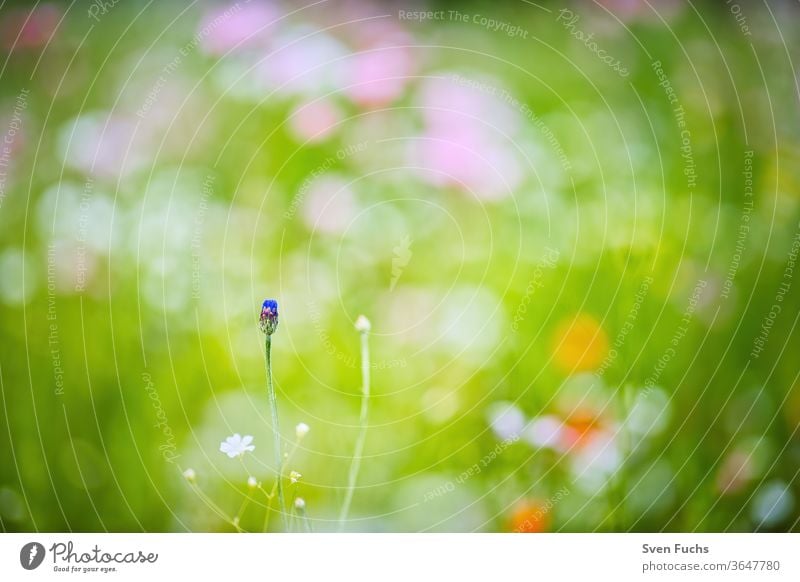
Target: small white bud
(190, 475)
(362, 324)
(300, 503)
(251, 482)
(294, 476)
(301, 430)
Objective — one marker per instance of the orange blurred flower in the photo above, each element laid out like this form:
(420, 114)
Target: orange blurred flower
(579, 428)
(530, 516)
(579, 344)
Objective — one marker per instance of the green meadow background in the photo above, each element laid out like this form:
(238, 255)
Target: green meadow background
(584, 296)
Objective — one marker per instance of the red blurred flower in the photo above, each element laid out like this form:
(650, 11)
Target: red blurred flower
(25, 29)
(579, 428)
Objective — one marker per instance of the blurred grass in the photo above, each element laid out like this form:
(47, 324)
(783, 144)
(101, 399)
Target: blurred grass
(89, 459)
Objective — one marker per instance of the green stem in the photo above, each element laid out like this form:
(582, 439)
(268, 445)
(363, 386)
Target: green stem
(271, 494)
(268, 511)
(362, 435)
(276, 433)
(240, 514)
(619, 517)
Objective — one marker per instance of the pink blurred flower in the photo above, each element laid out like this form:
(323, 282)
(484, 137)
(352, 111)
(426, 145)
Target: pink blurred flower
(452, 102)
(224, 28)
(474, 162)
(379, 77)
(625, 9)
(630, 10)
(101, 144)
(304, 61)
(383, 65)
(314, 121)
(25, 29)
(466, 143)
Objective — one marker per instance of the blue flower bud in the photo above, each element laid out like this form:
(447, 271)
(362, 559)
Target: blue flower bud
(269, 316)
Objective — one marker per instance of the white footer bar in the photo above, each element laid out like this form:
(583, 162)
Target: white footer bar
(381, 557)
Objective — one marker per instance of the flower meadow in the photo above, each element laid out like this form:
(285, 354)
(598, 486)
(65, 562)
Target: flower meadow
(387, 267)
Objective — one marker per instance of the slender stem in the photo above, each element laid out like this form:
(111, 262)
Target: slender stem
(239, 514)
(362, 435)
(626, 441)
(271, 494)
(276, 433)
(268, 511)
(617, 489)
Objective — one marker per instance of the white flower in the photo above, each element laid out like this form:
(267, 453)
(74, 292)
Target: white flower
(300, 503)
(545, 431)
(506, 419)
(301, 430)
(252, 483)
(237, 445)
(294, 476)
(189, 475)
(362, 324)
